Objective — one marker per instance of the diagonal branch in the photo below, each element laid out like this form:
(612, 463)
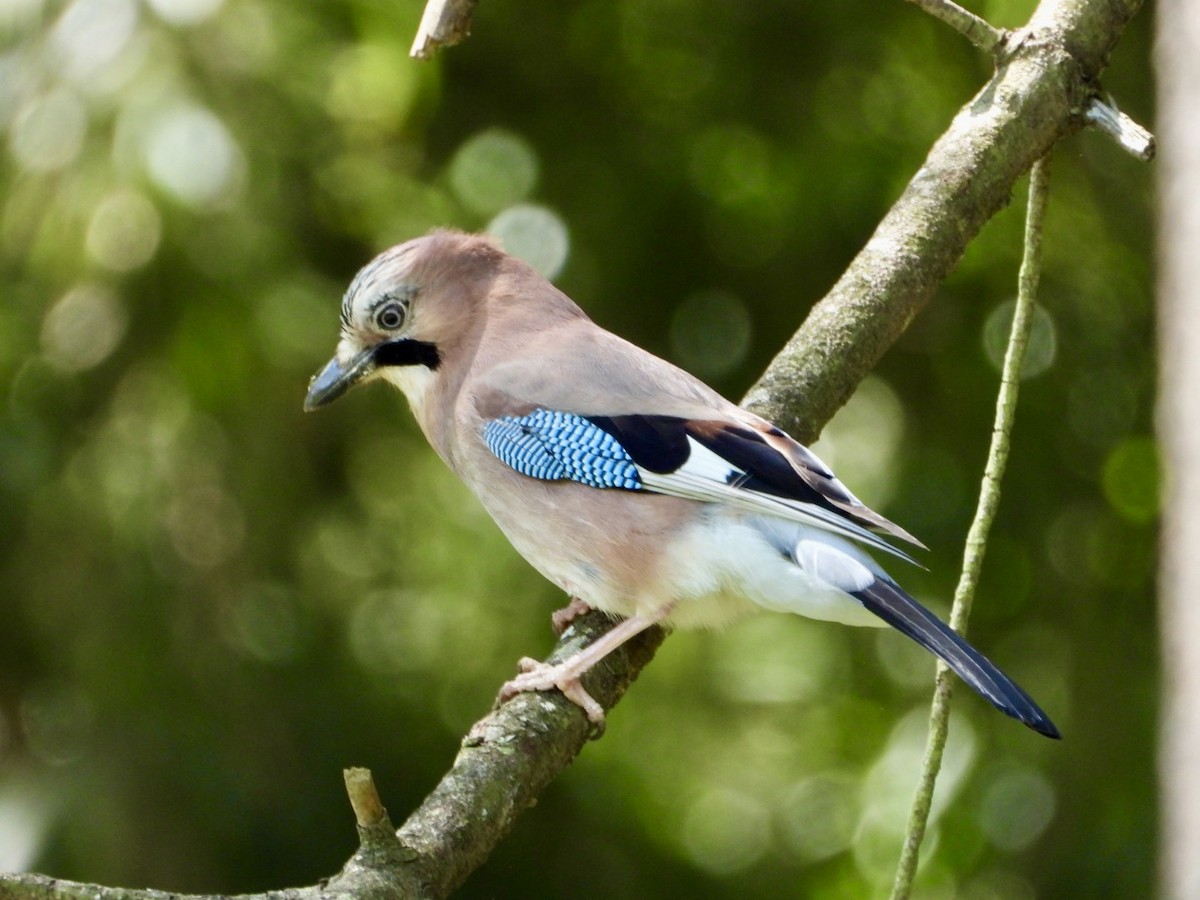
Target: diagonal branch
(1037, 96)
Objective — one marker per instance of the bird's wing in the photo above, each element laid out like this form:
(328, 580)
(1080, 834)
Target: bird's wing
(578, 367)
(778, 465)
(575, 382)
(707, 460)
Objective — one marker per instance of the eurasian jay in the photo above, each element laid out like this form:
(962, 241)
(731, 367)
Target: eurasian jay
(627, 482)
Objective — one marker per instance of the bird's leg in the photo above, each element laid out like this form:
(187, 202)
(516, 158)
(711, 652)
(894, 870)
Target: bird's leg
(561, 619)
(565, 675)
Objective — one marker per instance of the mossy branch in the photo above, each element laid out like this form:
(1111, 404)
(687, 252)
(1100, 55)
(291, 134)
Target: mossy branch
(1042, 86)
(1039, 94)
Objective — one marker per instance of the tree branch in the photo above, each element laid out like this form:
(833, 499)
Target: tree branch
(975, 29)
(510, 756)
(443, 24)
(1126, 132)
(1037, 96)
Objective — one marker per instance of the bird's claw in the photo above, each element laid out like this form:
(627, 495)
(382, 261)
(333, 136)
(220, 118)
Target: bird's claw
(562, 619)
(539, 676)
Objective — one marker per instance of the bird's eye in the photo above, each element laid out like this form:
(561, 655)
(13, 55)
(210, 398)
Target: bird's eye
(390, 316)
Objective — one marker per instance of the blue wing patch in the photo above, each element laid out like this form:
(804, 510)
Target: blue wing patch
(559, 446)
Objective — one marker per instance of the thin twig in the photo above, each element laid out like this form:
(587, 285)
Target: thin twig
(976, 30)
(1126, 132)
(976, 545)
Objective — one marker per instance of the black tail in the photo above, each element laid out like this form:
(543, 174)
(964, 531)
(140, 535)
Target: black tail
(902, 612)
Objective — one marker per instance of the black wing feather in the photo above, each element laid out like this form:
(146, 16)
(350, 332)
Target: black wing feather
(767, 471)
(656, 443)
(659, 444)
(767, 463)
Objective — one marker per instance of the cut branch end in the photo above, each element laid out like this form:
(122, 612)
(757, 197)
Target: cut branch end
(364, 798)
(443, 24)
(1126, 132)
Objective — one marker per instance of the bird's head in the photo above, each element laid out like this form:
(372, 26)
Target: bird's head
(403, 311)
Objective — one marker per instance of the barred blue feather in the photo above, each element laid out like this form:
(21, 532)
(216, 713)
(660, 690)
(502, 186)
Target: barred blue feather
(559, 446)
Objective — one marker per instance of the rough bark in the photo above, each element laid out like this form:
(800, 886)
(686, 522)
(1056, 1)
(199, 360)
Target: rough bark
(1046, 76)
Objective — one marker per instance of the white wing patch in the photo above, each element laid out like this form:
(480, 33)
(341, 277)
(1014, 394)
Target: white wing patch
(709, 478)
(703, 463)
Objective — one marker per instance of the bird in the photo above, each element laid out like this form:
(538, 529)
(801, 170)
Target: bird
(627, 482)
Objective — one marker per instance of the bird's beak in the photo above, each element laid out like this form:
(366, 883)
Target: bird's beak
(338, 377)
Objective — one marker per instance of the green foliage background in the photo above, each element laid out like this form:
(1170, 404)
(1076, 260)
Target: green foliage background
(210, 603)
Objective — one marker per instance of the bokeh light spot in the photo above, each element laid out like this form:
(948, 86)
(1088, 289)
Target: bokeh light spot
(756, 663)
(534, 234)
(820, 814)
(997, 885)
(1017, 807)
(373, 85)
(1043, 339)
(124, 231)
(264, 623)
(57, 721)
(296, 323)
(185, 12)
(1131, 479)
(726, 831)
(885, 795)
(862, 441)
(191, 155)
(710, 333)
(48, 132)
(492, 170)
(395, 631)
(1102, 403)
(875, 845)
(206, 526)
(904, 662)
(1069, 541)
(887, 789)
(731, 164)
(25, 817)
(345, 549)
(92, 33)
(83, 328)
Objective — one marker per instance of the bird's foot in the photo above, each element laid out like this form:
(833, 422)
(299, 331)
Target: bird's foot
(539, 676)
(562, 619)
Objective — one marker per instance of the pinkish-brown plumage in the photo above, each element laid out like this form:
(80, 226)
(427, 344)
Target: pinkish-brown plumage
(627, 482)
